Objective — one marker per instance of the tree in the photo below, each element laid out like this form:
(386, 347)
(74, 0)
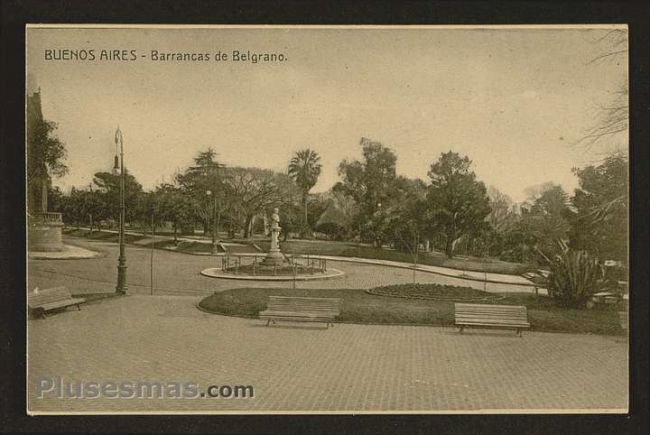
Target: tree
(600, 225)
(252, 191)
(406, 215)
(613, 119)
(536, 191)
(338, 215)
(172, 205)
(45, 155)
(503, 220)
(548, 220)
(501, 216)
(458, 204)
(544, 221)
(196, 181)
(80, 206)
(304, 169)
(371, 183)
(108, 192)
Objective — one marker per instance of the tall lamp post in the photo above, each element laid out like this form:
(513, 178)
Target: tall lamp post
(214, 220)
(121, 287)
(210, 170)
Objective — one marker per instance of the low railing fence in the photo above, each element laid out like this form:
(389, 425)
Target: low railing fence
(46, 218)
(253, 264)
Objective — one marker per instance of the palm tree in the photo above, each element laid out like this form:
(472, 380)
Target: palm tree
(305, 168)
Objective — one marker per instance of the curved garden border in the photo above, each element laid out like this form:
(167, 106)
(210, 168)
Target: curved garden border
(216, 272)
(493, 297)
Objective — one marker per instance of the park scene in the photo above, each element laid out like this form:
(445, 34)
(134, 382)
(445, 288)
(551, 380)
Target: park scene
(424, 221)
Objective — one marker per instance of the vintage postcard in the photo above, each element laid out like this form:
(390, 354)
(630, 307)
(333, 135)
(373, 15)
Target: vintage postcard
(327, 219)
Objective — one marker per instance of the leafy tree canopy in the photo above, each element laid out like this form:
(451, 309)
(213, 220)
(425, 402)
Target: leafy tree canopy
(601, 221)
(458, 204)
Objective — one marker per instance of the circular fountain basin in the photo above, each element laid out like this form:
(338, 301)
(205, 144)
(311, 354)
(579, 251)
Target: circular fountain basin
(267, 275)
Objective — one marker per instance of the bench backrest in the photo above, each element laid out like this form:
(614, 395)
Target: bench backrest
(48, 296)
(289, 303)
(496, 312)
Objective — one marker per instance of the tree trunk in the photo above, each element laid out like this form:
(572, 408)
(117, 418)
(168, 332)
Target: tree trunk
(304, 200)
(449, 247)
(248, 226)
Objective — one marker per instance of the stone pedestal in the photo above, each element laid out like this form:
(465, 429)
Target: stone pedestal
(44, 233)
(273, 258)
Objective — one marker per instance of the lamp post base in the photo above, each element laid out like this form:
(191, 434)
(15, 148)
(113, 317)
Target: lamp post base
(121, 286)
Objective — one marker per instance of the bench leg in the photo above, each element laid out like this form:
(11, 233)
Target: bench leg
(519, 332)
(78, 307)
(461, 329)
(268, 322)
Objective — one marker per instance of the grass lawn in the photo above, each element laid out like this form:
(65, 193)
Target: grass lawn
(359, 306)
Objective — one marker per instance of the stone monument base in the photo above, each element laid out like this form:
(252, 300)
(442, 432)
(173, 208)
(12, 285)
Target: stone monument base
(274, 258)
(44, 233)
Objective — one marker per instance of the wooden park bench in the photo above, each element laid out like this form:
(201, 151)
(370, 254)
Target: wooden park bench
(497, 316)
(300, 309)
(52, 299)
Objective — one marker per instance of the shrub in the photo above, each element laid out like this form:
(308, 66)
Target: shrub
(574, 278)
(333, 230)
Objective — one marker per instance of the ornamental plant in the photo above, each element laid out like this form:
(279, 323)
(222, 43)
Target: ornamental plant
(574, 278)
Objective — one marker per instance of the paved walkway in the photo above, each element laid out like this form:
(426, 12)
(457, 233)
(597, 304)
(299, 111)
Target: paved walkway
(179, 274)
(490, 277)
(496, 278)
(294, 368)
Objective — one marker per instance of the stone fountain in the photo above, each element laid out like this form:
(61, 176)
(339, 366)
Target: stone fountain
(273, 266)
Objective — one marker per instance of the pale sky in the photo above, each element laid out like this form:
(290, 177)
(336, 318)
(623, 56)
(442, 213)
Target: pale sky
(513, 100)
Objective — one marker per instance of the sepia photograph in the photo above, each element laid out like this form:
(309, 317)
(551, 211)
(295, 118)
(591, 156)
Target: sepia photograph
(327, 219)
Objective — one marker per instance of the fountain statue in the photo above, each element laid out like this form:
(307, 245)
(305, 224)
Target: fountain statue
(274, 257)
(274, 265)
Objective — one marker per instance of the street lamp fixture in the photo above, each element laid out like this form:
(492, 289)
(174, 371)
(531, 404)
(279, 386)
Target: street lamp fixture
(121, 287)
